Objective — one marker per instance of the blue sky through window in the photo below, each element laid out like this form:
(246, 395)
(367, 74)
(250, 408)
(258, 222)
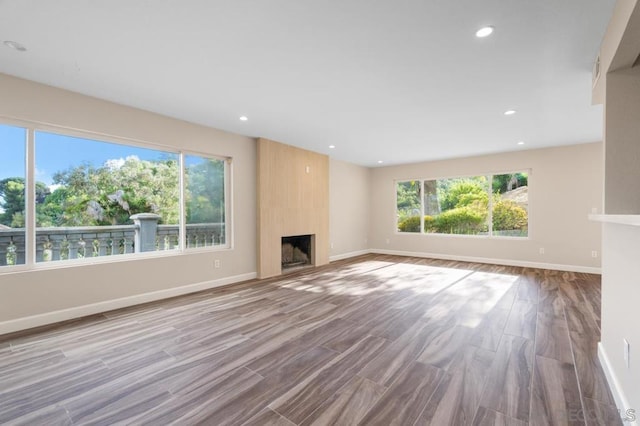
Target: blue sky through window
(56, 153)
(12, 149)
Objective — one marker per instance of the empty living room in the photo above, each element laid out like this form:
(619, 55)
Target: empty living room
(320, 213)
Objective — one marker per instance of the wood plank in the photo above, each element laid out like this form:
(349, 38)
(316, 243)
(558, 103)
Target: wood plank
(243, 404)
(268, 417)
(387, 366)
(487, 417)
(552, 338)
(522, 320)
(406, 398)
(508, 385)
(591, 377)
(347, 406)
(457, 398)
(555, 395)
(444, 346)
(310, 393)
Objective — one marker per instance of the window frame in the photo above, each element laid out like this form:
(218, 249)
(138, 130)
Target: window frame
(490, 234)
(32, 127)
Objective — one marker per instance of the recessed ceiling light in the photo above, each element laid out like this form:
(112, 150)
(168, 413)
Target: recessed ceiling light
(332, 146)
(510, 112)
(243, 118)
(521, 143)
(484, 32)
(15, 45)
(380, 161)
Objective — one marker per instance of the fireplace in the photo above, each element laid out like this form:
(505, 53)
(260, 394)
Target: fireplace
(296, 251)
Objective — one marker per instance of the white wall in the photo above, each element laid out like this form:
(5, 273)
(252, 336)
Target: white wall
(565, 185)
(622, 118)
(620, 296)
(37, 292)
(349, 209)
(621, 251)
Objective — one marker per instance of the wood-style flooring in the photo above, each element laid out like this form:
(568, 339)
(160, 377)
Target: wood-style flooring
(373, 340)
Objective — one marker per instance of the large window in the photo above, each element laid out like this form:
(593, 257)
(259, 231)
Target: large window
(12, 195)
(494, 205)
(97, 199)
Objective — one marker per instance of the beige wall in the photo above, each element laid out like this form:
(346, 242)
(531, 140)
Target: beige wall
(349, 208)
(618, 47)
(25, 294)
(621, 251)
(620, 296)
(622, 146)
(293, 199)
(565, 185)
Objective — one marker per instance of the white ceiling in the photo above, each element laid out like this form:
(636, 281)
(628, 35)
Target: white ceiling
(393, 80)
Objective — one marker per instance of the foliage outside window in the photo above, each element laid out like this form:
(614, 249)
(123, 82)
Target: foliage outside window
(408, 206)
(495, 205)
(205, 195)
(95, 198)
(12, 195)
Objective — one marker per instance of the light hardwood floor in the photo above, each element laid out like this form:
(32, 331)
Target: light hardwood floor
(374, 340)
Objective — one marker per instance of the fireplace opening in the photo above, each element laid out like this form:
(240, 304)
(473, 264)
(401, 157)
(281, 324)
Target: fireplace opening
(296, 251)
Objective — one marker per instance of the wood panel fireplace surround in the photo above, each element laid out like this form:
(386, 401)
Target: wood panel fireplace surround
(293, 203)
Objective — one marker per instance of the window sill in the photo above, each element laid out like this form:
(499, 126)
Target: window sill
(482, 237)
(101, 260)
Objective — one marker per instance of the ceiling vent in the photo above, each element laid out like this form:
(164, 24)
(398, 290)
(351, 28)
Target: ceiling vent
(596, 71)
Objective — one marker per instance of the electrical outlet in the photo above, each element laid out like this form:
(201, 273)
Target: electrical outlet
(216, 263)
(594, 253)
(331, 245)
(541, 250)
(627, 350)
(388, 241)
(594, 210)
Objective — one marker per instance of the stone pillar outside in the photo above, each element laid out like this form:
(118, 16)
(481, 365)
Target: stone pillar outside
(146, 227)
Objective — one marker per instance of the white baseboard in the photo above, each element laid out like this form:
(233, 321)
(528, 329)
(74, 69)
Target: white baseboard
(507, 262)
(348, 255)
(108, 305)
(621, 401)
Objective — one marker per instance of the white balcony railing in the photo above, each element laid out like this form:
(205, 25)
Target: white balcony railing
(61, 243)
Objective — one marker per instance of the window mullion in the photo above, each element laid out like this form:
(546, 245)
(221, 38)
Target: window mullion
(422, 195)
(183, 218)
(490, 205)
(228, 203)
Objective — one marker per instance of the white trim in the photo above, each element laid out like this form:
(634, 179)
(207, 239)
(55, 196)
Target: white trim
(507, 262)
(108, 305)
(614, 385)
(182, 192)
(348, 255)
(621, 219)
